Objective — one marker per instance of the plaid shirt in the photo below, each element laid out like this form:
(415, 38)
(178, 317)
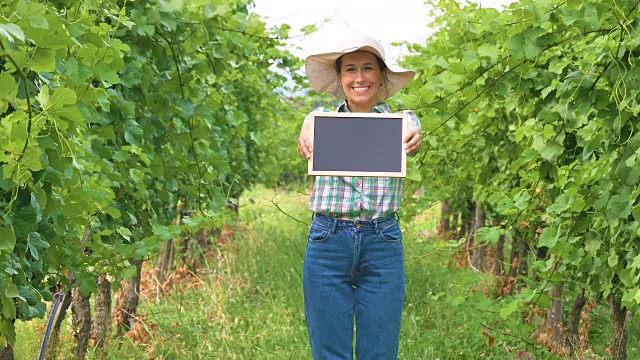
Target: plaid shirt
(357, 198)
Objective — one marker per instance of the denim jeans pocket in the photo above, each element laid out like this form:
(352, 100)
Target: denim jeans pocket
(391, 233)
(318, 233)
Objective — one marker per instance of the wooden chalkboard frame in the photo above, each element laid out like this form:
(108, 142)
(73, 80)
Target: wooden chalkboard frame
(377, 126)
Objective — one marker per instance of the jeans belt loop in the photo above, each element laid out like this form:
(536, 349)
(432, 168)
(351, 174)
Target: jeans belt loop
(334, 225)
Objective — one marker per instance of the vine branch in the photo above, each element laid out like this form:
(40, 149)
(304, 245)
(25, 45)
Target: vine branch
(189, 121)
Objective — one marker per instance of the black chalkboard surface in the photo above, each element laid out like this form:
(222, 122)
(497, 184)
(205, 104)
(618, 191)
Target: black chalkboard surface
(358, 144)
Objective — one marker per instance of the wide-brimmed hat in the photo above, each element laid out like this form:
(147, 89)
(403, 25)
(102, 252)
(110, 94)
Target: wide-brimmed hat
(321, 68)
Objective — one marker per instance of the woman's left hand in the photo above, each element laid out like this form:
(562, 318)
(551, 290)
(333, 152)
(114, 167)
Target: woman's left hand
(412, 141)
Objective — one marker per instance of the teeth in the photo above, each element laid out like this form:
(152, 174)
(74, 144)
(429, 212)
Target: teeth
(360, 88)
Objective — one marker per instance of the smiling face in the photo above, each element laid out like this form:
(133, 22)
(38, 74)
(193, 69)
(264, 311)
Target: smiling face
(360, 77)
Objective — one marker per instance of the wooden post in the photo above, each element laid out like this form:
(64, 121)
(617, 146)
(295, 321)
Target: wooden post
(478, 250)
(7, 353)
(81, 316)
(127, 306)
(102, 311)
(620, 333)
(573, 337)
(445, 214)
(555, 316)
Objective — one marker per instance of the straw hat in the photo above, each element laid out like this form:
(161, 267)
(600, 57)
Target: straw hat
(321, 68)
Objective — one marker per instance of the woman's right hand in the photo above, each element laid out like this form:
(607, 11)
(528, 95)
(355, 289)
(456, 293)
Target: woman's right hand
(304, 141)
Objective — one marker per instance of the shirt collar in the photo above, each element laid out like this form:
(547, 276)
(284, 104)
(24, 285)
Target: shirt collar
(379, 108)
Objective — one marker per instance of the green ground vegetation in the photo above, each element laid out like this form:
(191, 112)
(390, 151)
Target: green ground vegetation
(246, 301)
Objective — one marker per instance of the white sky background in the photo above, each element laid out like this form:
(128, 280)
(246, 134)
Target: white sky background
(388, 21)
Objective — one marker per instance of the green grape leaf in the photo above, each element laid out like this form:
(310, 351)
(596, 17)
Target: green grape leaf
(8, 331)
(171, 5)
(36, 244)
(141, 251)
(124, 232)
(29, 295)
(506, 207)
(31, 158)
(551, 150)
(60, 105)
(612, 260)
(11, 290)
(129, 273)
(25, 220)
(549, 237)
(39, 198)
(11, 32)
(636, 212)
(115, 213)
(522, 199)
(86, 283)
(8, 91)
(7, 239)
(107, 73)
(33, 12)
(509, 309)
(592, 244)
(46, 294)
(309, 29)
(43, 60)
(8, 308)
(489, 234)
(413, 171)
(619, 206)
(561, 203)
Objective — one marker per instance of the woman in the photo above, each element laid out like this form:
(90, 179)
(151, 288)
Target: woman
(354, 266)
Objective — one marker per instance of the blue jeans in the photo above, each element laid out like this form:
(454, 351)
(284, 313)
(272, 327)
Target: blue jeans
(354, 270)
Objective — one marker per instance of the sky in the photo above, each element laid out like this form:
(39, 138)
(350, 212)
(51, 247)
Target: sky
(388, 21)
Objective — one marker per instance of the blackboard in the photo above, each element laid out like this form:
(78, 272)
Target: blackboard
(358, 144)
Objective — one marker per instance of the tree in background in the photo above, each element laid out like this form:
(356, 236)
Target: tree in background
(111, 113)
(531, 114)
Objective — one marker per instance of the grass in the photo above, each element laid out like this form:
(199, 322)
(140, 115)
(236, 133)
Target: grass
(246, 301)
